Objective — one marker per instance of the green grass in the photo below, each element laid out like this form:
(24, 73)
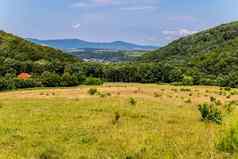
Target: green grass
(72, 124)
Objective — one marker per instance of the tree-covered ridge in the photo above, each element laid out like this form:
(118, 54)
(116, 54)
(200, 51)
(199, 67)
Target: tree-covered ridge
(198, 44)
(21, 50)
(209, 57)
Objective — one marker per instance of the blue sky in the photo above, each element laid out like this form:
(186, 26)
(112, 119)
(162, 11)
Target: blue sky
(154, 22)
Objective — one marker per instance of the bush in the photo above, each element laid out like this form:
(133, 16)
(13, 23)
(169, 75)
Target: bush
(29, 83)
(117, 117)
(69, 80)
(188, 101)
(92, 91)
(187, 80)
(103, 95)
(213, 99)
(93, 81)
(209, 112)
(132, 101)
(230, 106)
(227, 88)
(51, 79)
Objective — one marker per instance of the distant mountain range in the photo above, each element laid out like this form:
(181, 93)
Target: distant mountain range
(69, 44)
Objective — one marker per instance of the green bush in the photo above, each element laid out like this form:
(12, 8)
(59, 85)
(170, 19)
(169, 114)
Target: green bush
(29, 83)
(69, 80)
(93, 81)
(187, 80)
(51, 79)
(210, 112)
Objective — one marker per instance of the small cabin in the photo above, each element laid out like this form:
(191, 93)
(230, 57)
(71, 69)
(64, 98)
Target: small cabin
(24, 76)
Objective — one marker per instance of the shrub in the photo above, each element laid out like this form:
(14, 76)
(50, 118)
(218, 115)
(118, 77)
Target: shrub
(213, 99)
(29, 83)
(227, 88)
(187, 80)
(230, 106)
(69, 80)
(188, 101)
(51, 79)
(156, 94)
(92, 91)
(132, 101)
(117, 117)
(209, 112)
(93, 81)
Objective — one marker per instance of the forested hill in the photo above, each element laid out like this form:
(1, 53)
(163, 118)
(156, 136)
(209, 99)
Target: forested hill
(16, 48)
(221, 41)
(209, 57)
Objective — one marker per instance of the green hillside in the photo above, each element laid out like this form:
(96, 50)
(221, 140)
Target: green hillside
(19, 49)
(45, 66)
(209, 57)
(219, 39)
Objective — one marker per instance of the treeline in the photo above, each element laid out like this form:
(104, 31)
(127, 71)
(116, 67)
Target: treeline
(63, 74)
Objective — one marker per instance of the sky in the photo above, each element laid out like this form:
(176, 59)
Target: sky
(153, 22)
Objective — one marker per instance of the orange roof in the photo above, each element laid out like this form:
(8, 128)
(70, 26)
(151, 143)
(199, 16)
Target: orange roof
(24, 76)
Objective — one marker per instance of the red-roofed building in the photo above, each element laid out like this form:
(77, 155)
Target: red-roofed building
(24, 76)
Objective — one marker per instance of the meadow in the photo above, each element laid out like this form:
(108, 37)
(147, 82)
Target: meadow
(113, 121)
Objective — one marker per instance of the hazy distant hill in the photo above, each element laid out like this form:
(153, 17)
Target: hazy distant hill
(80, 44)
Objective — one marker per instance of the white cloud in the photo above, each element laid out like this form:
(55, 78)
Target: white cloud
(91, 3)
(137, 8)
(171, 35)
(131, 5)
(178, 33)
(76, 26)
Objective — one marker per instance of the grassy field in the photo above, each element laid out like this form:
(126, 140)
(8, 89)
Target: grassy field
(124, 121)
